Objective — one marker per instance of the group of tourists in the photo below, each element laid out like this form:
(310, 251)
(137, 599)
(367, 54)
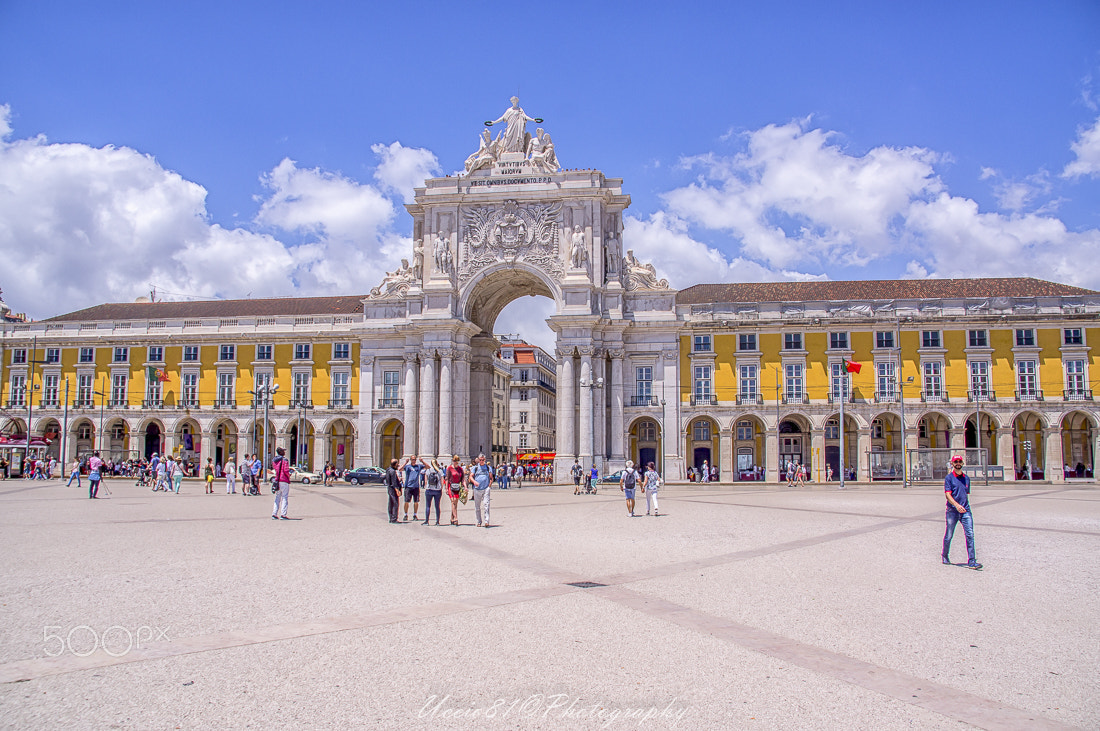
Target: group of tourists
(407, 479)
(648, 480)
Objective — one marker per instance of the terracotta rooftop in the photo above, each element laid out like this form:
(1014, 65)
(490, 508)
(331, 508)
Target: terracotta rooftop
(273, 307)
(875, 289)
(525, 357)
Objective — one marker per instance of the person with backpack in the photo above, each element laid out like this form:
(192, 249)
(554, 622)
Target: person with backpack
(628, 483)
(433, 490)
(650, 486)
(281, 469)
(576, 471)
(455, 477)
(481, 478)
(95, 474)
(208, 475)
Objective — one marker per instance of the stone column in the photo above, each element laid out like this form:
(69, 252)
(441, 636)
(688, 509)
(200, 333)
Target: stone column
(412, 390)
(207, 449)
(567, 404)
(771, 455)
(599, 409)
(726, 459)
(817, 455)
(585, 426)
(863, 448)
(364, 421)
(1052, 470)
(618, 434)
(446, 407)
(429, 407)
(462, 404)
(671, 438)
(320, 452)
(957, 440)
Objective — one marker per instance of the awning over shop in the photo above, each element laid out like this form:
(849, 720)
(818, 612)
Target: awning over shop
(537, 456)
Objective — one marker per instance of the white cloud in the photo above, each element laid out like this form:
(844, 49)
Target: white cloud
(5, 121)
(404, 168)
(1016, 195)
(1087, 149)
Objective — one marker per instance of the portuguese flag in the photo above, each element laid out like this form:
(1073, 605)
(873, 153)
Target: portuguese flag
(156, 374)
(852, 366)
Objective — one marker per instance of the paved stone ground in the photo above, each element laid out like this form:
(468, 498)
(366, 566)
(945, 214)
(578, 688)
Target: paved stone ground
(738, 608)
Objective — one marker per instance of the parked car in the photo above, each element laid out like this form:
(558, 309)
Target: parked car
(613, 477)
(365, 475)
(305, 477)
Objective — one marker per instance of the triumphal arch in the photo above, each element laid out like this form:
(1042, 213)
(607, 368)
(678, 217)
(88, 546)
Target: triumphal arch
(514, 223)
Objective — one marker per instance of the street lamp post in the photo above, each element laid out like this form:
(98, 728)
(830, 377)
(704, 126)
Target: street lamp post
(264, 391)
(778, 456)
(592, 415)
(102, 393)
(901, 399)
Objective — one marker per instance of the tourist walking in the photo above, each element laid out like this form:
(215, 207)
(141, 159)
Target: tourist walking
(651, 485)
(433, 490)
(956, 488)
(230, 472)
(175, 474)
(576, 471)
(455, 479)
(481, 479)
(412, 472)
(256, 468)
(393, 491)
(280, 468)
(4, 470)
(628, 483)
(208, 475)
(95, 474)
(74, 474)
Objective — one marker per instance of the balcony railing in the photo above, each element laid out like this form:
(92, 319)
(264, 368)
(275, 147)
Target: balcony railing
(1077, 394)
(750, 399)
(974, 396)
(704, 399)
(49, 403)
(153, 403)
(391, 403)
(84, 403)
(644, 401)
(16, 403)
(339, 403)
(117, 403)
(301, 403)
(886, 397)
(795, 398)
(188, 403)
(834, 398)
(934, 397)
(225, 403)
(1029, 395)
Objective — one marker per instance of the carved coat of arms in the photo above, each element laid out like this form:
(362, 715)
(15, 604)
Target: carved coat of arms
(510, 233)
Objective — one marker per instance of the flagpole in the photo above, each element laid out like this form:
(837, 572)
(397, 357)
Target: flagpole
(843, 383)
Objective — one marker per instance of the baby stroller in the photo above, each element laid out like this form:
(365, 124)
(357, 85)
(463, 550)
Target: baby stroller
(590, 486)
(145, 478)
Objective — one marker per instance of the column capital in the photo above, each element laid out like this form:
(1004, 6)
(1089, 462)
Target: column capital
(367, 361)
(446, 353)
(567, 352)
(462, 355)
(616, 353)
(670, 354)
(586, 351)
(410, 357)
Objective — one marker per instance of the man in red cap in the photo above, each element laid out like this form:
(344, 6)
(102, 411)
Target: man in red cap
(956, 488)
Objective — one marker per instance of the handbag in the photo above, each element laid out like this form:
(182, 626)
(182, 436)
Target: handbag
(463, 495)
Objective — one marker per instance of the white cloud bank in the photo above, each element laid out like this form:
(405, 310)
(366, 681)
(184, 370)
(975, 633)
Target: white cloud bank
(794, 200)
(1087, 149)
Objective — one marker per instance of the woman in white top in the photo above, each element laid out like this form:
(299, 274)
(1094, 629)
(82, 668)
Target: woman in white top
(650, 486)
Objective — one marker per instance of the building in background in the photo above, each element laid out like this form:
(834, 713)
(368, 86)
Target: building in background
(532, 398)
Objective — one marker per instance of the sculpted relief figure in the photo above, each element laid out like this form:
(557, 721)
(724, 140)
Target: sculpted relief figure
(514, 137)
(577, 252)
(443, 252)
(394, 282)
(639, 275)
(612, 255)
(418, 260)
(486, 153)
(541, 152)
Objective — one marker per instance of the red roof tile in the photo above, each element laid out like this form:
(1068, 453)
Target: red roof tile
(271, 307)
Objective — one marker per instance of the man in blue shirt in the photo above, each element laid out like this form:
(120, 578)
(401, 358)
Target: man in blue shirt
(413, 467)
(956, 488)
(481, 479)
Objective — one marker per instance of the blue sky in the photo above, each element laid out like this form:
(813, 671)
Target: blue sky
(235, 149)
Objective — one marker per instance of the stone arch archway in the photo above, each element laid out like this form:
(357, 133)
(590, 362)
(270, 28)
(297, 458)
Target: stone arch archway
(646, 438)
(482, 299)
(1078, 431)
(702, 445)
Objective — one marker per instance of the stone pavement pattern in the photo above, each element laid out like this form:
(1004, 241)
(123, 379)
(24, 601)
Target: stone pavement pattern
(755, 608)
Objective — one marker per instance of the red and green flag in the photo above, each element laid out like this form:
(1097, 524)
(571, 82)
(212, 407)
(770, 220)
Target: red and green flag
(851, 366)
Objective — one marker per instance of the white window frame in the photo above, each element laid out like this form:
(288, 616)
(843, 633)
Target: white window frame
(748, 374)
(931, 372)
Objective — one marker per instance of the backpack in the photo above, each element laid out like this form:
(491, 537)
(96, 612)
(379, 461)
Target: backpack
(631, 479)
(433, 479)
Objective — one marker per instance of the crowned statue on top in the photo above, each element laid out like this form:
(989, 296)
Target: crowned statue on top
(515, 142)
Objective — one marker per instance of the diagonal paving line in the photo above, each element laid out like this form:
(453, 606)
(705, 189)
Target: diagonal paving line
(927, 694)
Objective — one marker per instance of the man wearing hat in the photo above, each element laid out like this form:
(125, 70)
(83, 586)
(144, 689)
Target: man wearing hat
(956, 488)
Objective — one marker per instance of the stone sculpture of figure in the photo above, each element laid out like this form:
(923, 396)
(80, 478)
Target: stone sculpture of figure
(393, 280)
(486, 153)
(639, 275)
(612, 255)
(577, 253)
(442, 252)
(418, 260)
(514, 138)
(541, 152)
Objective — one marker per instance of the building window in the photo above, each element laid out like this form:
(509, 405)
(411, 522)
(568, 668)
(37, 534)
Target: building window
(523, 394)
(701, 381)
(53, 355)
(50, 390)
(156, 354)
(301, 351)
(746, 341)
(523, 417)
(933, 378)
(225, 388)
(190, 353)
(391, 385)
(122, 355)
(523, 440)
(523, 375)
(832, 429)
(647, 431)
(1073, 336)
(84, 387)
(930, 339)
(977, 338)
(979, 378)
(84, 432)
(884, 339)
(748, 384)
(792, 341)
(701, 431)
(118, 389)
(190, 386)
(744, 430)
(19, 356)
(301, 388)
(1026, 378)
(1075, 376)
(341, 351)
(702, 344)
(340, 384)
(876, 429)
(793, 373)
(643, 380)
(887, 379)
(87, 355)
(1025, 337)
(153, 392)
(263, 352)
(838, 341)
(839, 383)
(227, 352)
(18, 389)
(263, 380)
